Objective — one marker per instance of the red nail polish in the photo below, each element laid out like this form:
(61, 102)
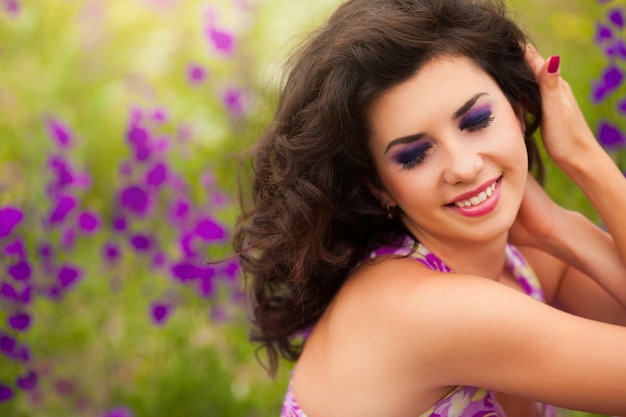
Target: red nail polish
(553, 66)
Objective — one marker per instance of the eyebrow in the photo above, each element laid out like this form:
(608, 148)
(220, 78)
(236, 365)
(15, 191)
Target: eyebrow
(467, 106)
(457, 114)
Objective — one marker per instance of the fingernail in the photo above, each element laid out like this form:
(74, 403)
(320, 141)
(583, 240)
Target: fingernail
(553, 66)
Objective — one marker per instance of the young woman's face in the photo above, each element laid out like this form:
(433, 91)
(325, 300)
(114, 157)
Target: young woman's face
(450, 153)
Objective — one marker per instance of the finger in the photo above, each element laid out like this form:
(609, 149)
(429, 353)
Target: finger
(533, 58)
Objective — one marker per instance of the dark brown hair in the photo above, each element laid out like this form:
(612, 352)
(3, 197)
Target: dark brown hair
(312, 217)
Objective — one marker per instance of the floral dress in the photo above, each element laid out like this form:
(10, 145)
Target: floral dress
(462, 401)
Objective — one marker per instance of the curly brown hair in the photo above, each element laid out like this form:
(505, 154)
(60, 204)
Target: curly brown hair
(312, 217)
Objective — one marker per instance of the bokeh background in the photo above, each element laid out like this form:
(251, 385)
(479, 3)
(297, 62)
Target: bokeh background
(121, 126)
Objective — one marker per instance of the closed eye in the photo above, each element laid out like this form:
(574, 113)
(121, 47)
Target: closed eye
(413, 156)
(477, 120)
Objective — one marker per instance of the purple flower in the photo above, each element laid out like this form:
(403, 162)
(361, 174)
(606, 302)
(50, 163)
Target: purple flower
(613, 77)
(219, 198)
(186, 245)
(8, 292)
(617, 50)
(162, 145)
(118, 412)
(209, 230)
(603, 32)
(120, 224)
(7, 344)
(64, 206)
(62, 170)
(196, 74)
(6, 393)
(610, 136)
(233, 101)
(137, 135)
(142, 153)
(616, 16)
(159, 115)
(232, 270)
(135, 199)
(186, 271)
(221, 41)
(83, 180)
(111, 252)
(54, 292)
(25, 296)
(68, 275)
(12, 7)
(621, 106)
(180, 210)
(27, 382)
(141, 243)
(16, 248)
(599, 92)
(68, 238)
(157, 175)
(159, 312)
(19, 321)
(159, 260)
(9, 218)
(45, 251)
(88, 222)
(126, 169)
(22, 354)
(206, 287)
(59, 132)
(20, 271)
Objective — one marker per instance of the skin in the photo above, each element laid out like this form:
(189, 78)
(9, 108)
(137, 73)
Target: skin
(398, 336)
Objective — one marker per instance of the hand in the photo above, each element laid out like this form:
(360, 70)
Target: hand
(536, 219)
(565, 132)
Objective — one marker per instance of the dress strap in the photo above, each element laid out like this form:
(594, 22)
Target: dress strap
(524, 274)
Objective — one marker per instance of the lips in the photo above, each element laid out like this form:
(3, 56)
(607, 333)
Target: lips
(478, 196)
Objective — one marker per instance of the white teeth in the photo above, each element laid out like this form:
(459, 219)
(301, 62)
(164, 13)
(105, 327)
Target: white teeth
(479, 198)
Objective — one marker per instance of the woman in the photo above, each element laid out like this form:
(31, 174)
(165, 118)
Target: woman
(388, 195)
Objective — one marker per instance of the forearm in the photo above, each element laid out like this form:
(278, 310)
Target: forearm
(580, 243)
(605, 187)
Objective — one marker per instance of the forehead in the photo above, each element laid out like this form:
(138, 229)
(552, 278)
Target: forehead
(436, 90)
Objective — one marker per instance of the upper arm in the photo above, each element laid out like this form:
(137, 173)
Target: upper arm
(482, 333)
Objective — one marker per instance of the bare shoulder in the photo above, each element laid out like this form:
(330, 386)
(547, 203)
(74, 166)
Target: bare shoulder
(358, 352)
(420, 331)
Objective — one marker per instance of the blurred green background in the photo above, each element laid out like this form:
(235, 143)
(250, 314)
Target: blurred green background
(93, 64)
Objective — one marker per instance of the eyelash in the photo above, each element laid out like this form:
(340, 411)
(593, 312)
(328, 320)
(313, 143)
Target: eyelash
(416, 160)
(480, 124)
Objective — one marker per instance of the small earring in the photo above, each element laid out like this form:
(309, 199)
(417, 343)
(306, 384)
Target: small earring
(391, 213)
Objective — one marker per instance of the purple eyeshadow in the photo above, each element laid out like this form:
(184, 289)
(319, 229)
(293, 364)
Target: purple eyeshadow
(475, 117)
(412, 153)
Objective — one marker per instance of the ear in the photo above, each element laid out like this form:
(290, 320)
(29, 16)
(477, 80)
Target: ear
(381, 195)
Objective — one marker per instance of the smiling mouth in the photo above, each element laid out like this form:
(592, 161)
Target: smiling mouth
(478, 198)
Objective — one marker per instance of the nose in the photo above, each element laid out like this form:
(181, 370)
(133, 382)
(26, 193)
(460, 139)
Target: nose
(463, 162)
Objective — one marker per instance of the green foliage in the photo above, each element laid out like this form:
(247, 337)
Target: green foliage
(90, 64)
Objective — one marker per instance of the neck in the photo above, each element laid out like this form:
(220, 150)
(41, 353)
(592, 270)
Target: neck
(485, 259)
